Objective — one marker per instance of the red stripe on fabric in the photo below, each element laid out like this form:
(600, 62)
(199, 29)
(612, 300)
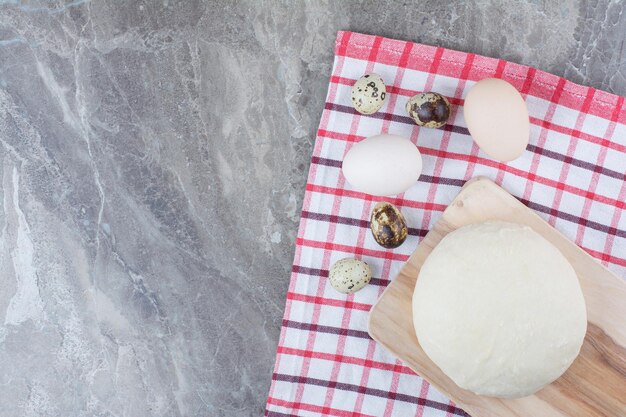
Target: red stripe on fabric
(543, 134)
(469, 170)
(398, 80)
(580, 233)
(311, 335)
(404, 58)
(395, 380)
(339, 136)
(369, 355)
(341, 343)
(352, 360)
(499, 69)
(330, 246)
(530, 76)
(356, 194)
(605, 256)
(372, 344)
(419, 412)
(342, 46)
(374, 50)
(298, 405)
(556, 202)
(320, 291)
(436, 60)
(341, 340)
(610, 237)
(578, 134)
(360, 243)
(319, 300)
(430, 196)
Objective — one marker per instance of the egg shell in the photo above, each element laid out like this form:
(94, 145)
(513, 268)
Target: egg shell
(349, 275)
(368, 93)
(388, 225)
(497, 118)
(382, 165)
(429, 109)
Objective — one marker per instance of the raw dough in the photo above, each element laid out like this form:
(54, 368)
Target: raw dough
(499, 309)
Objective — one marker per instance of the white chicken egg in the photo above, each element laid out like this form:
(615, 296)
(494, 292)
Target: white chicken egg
(382, 165)
(497, 118)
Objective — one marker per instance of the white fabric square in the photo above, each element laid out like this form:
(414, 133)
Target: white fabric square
(353, 68)
(305, 284)
(289, 362)
(609, 187)
(368, 126)
(564, 116)
(616, 161)
(594, 124)
(316, 230)
(373, 405)
(556, 141)
(445, 85)
(414, 80)
(325, 343)
(537, 107)
(320, 368)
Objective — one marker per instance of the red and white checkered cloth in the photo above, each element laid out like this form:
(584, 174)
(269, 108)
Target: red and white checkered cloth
(572, 174)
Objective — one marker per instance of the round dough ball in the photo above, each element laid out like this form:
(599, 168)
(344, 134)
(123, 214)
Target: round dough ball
(499, 309)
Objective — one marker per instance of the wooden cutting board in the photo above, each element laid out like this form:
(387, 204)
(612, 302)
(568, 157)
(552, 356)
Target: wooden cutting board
(595, 384)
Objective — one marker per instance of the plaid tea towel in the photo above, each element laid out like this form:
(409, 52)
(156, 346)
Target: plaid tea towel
(572, 174)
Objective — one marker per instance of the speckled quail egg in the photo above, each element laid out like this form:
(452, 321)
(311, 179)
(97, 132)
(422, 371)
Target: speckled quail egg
(349, 275)
(368, 94)
(388, 225)
(429, 109)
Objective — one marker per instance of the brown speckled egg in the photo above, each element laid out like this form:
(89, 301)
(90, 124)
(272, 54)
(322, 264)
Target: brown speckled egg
(368, 94)
(349, 275)
(388, 225)
(429, 109)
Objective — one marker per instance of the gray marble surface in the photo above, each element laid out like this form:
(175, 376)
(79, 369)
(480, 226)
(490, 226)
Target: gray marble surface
(152, 165)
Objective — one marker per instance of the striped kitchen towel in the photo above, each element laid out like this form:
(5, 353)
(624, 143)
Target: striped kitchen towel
(572, 174)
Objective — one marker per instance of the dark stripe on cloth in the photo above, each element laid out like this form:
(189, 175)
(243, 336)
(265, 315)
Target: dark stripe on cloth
(370, 391)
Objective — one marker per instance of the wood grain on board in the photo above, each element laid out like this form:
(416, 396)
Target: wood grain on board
(595, 384)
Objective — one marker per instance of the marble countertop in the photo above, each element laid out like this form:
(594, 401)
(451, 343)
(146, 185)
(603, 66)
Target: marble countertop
(153, 161)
